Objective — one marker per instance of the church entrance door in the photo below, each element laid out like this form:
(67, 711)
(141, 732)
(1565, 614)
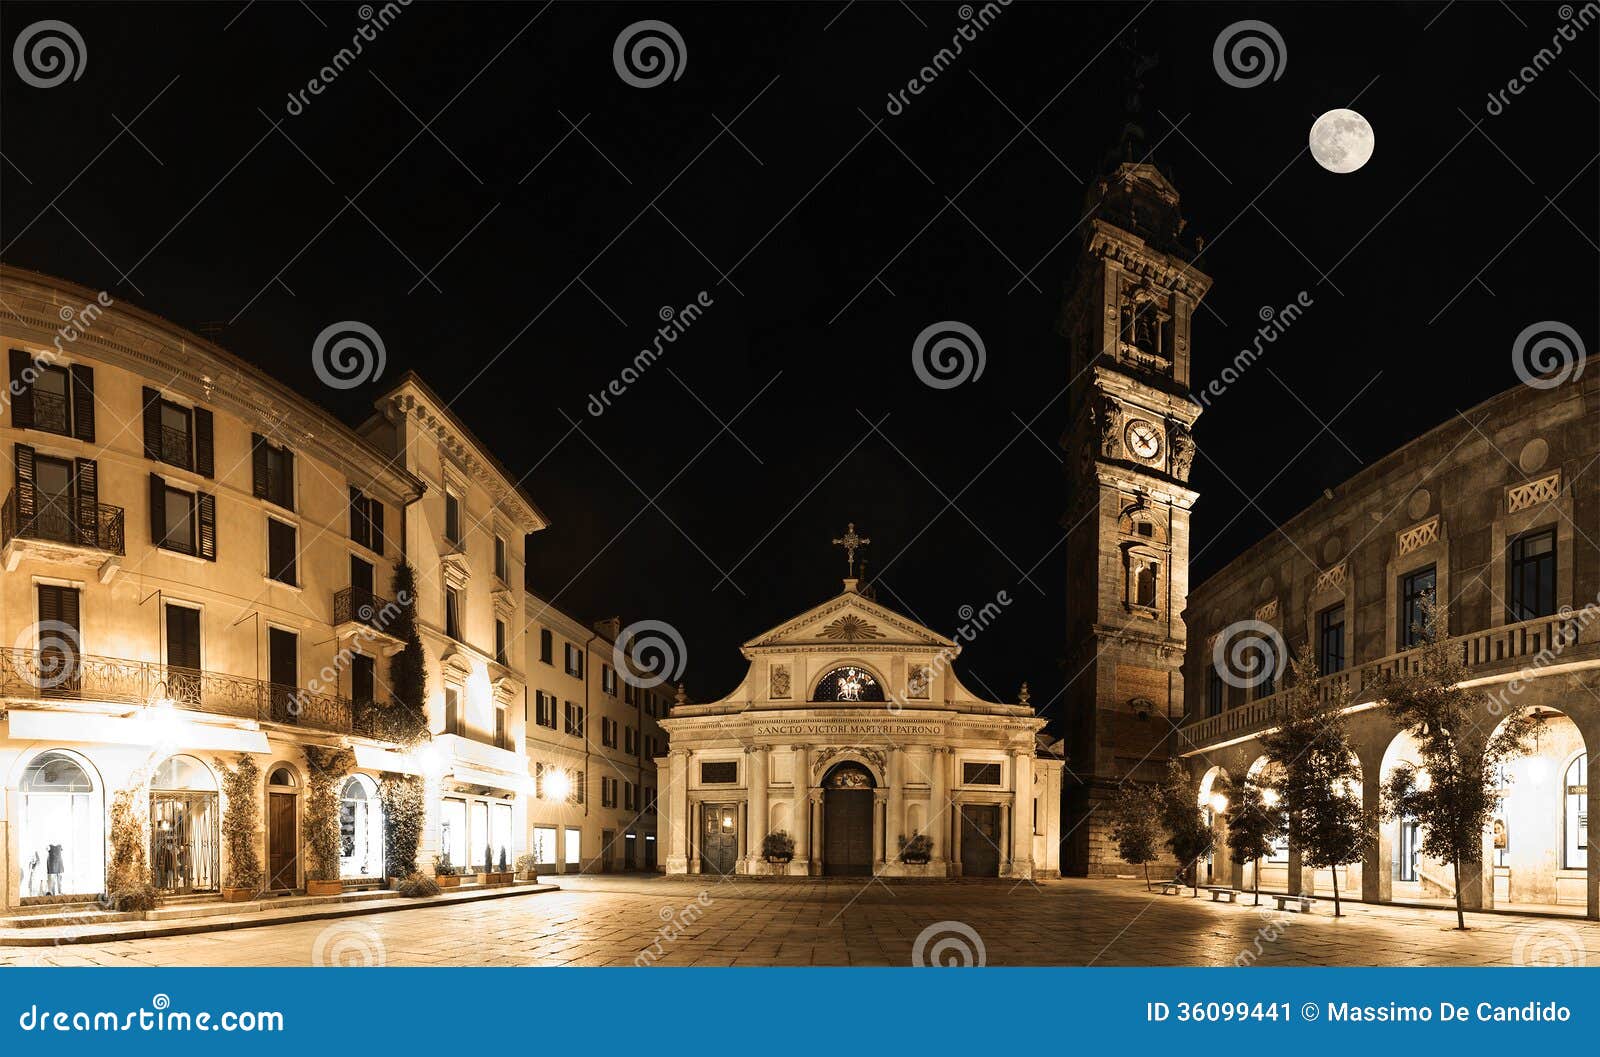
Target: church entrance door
(980, 840)
(847, 822)
(719, 844)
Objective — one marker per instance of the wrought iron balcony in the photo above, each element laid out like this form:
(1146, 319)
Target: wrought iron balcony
(49, 411)
(1527, 646)
(60, 674)
(359, 606)
(59, 522)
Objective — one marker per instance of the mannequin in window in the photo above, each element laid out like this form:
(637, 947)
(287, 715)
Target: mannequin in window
(53, 868)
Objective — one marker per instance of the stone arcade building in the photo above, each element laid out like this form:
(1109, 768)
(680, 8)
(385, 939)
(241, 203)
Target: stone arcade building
(851, 733)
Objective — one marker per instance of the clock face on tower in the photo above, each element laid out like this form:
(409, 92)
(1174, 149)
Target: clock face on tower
(1144, 439)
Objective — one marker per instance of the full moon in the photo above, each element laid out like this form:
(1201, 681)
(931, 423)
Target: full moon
(1341, 141)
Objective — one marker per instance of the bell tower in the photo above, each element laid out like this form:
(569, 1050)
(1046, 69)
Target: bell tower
(1126, 318)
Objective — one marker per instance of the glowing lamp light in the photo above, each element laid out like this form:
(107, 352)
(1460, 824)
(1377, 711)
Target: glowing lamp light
(1219, 803)
(1424, 781)
(557, 785)
(1539, 770)
(1269, 797)
(428, 761)
(728, 821)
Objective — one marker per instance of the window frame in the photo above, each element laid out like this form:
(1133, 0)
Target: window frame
(1516, 562)
(294, 561)
(1325, 630)
(1409, 605)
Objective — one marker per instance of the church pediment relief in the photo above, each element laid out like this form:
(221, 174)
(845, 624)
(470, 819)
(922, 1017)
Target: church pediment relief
(855, 621)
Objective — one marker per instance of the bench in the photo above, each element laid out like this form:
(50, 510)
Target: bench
(1172, 888)
(1219, 892)
(1301, 903)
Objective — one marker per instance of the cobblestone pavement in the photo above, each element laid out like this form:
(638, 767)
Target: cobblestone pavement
(611, 920)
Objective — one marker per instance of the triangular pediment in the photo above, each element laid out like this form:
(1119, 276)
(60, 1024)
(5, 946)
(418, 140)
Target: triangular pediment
(851, 621)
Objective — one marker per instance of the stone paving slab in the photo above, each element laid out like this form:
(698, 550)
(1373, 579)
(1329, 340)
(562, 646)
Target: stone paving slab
(709, 921)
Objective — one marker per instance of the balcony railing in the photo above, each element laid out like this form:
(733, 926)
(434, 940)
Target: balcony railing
(63, 675)
(360, 606)
(1529, 644)
(57, 521)
(49, 411)
(175, 447)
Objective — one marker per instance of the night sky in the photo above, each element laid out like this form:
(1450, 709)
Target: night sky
(826, 233)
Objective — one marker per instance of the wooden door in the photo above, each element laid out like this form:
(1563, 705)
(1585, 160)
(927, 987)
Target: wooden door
(719, 844)
(980, 840)
(847, 832)
(282, 843)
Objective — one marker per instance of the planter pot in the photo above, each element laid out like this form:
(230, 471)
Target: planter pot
(780, 860)
(238, 895)
(448, 880)
(915, 861)
(324, 888)
(494, 877)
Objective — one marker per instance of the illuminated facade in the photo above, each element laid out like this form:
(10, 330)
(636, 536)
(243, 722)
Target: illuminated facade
(852, 736)
(1496, 511)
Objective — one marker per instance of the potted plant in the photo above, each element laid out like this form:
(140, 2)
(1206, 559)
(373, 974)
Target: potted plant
(528, 866)
(916, 851)
(444, 874)
(241, 816)
(778, 847)
(489, 875)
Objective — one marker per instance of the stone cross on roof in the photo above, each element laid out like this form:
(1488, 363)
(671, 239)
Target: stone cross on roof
(851, 543)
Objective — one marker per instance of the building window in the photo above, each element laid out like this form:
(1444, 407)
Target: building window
(61, 828)
(608, 732)
(452, 518)
(502, 728)
(52, 409)
(574, 661)
(1531, 583)
(452, 710)
(980, 774)
(500, 560)
(452, 612)
(281, 551)
(1216, 695)
(363, 679)
(580, 788)
(574, 849)
(1414, 588)
(544, 845)
(178, 513)
(500, 642)
(608, 792)
(719, 772)
(608, 679)
(630, 741)
(176, 435)
(546, 646)
(1575, 797)
(1146, 577)
(1330, 640)
(272, 472)
(544, 709)
(366, 520)
(574, 720)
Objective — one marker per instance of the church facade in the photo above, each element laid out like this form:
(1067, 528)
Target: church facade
(853, 745)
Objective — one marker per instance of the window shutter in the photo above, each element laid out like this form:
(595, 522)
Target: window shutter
(205, 461)
(27, 504)
(82, 378)
(375, 512)
(158, 509)
(288, 479)
(357, 522)
(21, 391)
(258, 465)
(88, 476)
(152, 423)
(207, 504)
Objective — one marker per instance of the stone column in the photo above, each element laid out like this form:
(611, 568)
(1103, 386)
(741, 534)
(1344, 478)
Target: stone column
(744, 831)
(697, 822)
(894, 806)
(757, 795)
(1022, 815)
(1299, 885)
(802, 809)
(815, 866)
(939, 803)
(880, 800)
(677, 801)
(1377, 884)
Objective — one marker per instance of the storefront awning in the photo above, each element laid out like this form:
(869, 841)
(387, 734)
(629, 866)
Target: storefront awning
(148, 727)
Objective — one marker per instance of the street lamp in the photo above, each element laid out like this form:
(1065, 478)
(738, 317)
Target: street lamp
(557, 785)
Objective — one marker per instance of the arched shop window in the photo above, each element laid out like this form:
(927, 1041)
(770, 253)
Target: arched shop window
(61, 836)
(360, 828)
(1575, 797)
